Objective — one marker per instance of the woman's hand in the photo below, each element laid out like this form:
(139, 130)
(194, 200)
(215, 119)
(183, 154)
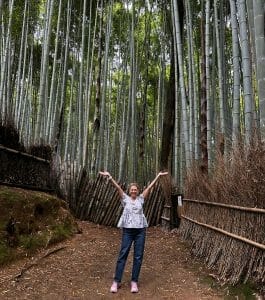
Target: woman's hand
(110, 179)
(104, 173)
(147, 190)
(162, 173)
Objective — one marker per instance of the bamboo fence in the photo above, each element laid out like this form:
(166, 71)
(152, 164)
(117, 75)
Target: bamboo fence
(99, 202)
(230, 238)
(25, 170)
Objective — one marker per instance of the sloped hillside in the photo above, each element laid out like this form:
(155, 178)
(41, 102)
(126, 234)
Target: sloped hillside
(30, 220)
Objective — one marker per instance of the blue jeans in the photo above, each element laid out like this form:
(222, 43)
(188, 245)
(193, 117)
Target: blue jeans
(130, 235)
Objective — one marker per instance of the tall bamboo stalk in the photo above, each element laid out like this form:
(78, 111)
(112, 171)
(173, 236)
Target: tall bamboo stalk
(4, 65)
(208, 92)
(236, 74)
(182, 85)
(246, 69)
(40, 124)
(258, 6)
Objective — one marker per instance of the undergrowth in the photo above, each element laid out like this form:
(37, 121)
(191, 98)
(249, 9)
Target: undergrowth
(30, 221)
(237, 179)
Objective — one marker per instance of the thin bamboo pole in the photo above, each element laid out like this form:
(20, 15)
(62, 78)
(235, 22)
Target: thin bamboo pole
(244, 208)
(235, 236)
(23, 154)
(27, 187)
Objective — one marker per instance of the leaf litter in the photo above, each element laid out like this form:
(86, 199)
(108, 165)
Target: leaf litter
(82, 268)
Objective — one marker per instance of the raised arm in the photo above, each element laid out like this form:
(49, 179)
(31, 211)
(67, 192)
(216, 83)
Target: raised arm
(148, 189)
(105, 173)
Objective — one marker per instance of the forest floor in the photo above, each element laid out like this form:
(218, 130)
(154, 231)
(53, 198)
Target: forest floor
(82, 268)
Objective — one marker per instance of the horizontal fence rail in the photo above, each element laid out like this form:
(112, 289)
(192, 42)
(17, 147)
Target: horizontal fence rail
(24, 154)
(229, 206)
(228, 237)
(28, 187)
(23, 170)
(248, 241)
(244, 208)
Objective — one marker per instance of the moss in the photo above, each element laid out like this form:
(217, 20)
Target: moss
(56, 233)
(6, 253)
(61, 232)
(2, 226)
(209, 281)
(47, 206)
(32, 242)
(40, 219)
(240, 291)
(3, 252)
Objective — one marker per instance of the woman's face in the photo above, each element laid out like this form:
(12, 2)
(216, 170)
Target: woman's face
(133, 191)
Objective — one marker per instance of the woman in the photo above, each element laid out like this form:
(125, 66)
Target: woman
(133, 223)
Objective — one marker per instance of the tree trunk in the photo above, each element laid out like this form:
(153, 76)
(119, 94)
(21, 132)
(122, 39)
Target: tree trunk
(169, 108)
(96, 126)
(168, 119)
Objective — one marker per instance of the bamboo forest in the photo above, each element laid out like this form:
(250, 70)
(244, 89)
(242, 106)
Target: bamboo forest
(133, 87)
(96, 94)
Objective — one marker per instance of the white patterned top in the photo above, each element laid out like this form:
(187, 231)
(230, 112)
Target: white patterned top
(132, 215)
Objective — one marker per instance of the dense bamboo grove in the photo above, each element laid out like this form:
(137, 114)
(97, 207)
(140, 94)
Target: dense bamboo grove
(133, 86)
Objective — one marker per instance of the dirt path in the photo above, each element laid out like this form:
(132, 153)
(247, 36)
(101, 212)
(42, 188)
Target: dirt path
(84, 270)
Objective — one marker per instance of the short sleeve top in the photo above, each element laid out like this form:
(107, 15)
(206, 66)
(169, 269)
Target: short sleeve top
(132, 215)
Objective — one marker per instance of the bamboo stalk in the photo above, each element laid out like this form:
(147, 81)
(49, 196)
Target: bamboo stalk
(151, 203)
(96, 195)
(82, 197)
(245, 240)
(108, 203)
(244, 208)
(165, 218)
(148, 205)
(88, 200)
(114, 202)
(102, 202)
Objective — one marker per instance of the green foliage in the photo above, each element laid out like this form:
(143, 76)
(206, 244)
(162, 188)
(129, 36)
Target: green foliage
(5, 253)
(17, 17)
(40, 220)
(60, 232)
(53, 234)
(33, 242)
(241, 291)
(120, 29)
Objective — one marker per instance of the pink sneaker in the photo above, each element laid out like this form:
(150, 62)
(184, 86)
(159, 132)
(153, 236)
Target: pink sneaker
(134, 287)
(114, 287)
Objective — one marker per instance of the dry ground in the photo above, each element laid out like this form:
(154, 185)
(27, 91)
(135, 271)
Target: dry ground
(84, 270)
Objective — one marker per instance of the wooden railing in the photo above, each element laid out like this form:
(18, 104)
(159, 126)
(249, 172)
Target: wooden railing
(99, 202)
(24, 170)
(251, 209)
(228, 206)
(231, 238)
